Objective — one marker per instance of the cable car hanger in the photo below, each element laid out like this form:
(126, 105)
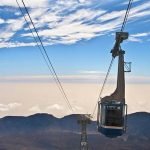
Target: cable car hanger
(112, 110)
(128, 65)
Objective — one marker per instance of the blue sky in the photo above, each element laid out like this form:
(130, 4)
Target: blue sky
(78, 35)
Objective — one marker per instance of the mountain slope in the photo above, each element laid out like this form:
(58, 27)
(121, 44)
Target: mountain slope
(45, 132)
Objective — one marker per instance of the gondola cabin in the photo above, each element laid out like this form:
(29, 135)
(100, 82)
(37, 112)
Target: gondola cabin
(112, 110)
(112, 122)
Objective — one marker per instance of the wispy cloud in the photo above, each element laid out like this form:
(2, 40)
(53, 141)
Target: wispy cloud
(33, 3)
(55, 107)
(141, 34)
(92, 72)
(10, 106)
(138, 37)
(10, 29)
(16, 44)
(1, 21)
(58, 107)
(35, 109)
(66, 22)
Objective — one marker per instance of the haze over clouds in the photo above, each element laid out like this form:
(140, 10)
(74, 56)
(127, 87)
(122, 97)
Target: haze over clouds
(30, 97)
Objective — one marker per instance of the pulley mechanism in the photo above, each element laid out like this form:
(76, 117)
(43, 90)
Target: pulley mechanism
(120, 37)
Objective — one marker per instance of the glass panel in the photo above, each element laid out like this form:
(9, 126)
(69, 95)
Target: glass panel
(114, 116)
(103, 107)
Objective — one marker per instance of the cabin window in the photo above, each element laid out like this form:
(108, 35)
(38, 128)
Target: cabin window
(113, 116)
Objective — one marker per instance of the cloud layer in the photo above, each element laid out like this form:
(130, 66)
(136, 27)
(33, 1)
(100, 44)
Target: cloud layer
(85, 77)
(30, 98)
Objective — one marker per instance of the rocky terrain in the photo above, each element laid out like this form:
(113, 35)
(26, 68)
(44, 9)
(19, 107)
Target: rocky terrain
(45, 132)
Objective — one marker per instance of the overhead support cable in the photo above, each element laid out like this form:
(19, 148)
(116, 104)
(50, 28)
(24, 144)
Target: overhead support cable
(38, 45)
(126, 15)
(44, 54)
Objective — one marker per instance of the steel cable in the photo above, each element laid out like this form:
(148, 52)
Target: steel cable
(45, 55)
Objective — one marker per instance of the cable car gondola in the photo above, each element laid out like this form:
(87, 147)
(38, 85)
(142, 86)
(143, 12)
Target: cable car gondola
(112, 110)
